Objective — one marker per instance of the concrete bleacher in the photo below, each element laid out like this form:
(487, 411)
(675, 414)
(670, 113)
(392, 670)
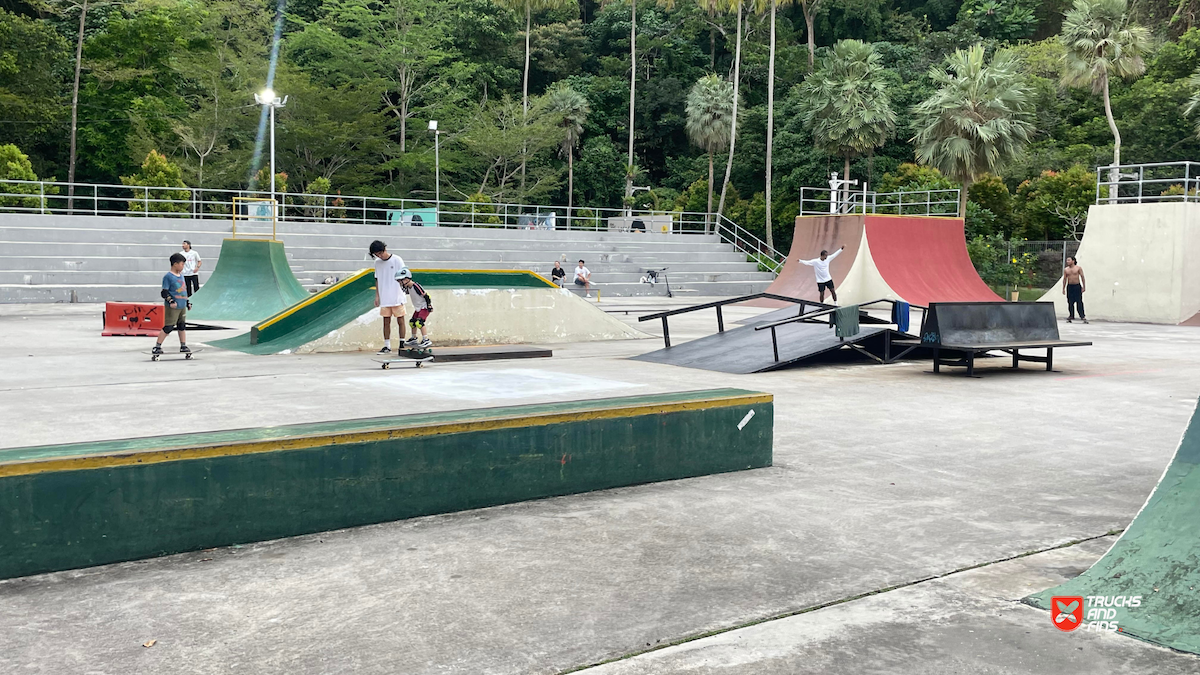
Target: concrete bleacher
(54, 258)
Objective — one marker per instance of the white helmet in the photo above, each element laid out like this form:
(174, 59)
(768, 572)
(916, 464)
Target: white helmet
(403, 273)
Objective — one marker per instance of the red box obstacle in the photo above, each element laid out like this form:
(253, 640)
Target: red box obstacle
(132, 318)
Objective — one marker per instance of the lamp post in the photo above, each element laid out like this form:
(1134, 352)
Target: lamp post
(268, 98)
(437, 171)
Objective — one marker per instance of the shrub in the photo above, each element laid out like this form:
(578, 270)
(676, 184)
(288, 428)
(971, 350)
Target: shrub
(158, 171)
(15, 165)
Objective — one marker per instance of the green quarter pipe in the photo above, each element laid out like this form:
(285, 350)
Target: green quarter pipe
(1148, 584)
(252, 280)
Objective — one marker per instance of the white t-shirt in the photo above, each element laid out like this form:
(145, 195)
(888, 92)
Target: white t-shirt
(390, 292)
(582, 273)
(190, 260)
(821, 267)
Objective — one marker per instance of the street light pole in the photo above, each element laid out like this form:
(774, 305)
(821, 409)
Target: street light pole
(268, 98)
(437, 171)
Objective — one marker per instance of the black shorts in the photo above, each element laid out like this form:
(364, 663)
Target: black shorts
(580, 282)
(825, 285)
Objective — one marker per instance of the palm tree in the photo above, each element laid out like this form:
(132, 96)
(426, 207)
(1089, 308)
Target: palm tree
(978, 119)
(571, 109)
(709, 110)
(529, 6)
(845, 103)
(1193, 103)
(772, 6)
(735, 5)
(1101, 43)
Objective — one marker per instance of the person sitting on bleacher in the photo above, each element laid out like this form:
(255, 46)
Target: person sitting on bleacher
(583, 277)
(558, 275)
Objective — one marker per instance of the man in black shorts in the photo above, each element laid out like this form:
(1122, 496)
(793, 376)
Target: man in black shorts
(821, 267)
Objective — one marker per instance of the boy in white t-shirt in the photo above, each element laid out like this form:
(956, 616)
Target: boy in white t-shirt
(583, 277)
(191, 268)
(389, 296)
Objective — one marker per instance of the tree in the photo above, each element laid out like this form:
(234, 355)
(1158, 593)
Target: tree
(772, 6)
(15, 165)
(1100, 43)
(529, 6)
(809, 9)
(978, 119)
(736, 5)
(500, 136)
(1193, 102)
(709, 109)
(158, 171)
(631, 168)
(845, 103)
(571, 109)
(34, 62)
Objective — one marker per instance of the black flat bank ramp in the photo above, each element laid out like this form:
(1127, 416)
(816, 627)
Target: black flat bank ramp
(744, 350)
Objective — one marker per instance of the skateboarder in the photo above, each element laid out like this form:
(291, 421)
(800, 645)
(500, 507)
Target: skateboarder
(422, 308)
(1074, 286)
(821, 267)
(389, 296)
(175, 297)
(191, 268)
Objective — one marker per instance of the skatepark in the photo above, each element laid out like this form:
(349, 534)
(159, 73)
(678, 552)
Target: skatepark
(690, 493)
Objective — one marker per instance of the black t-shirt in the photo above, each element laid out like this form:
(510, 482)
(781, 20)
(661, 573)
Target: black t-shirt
(558, 273)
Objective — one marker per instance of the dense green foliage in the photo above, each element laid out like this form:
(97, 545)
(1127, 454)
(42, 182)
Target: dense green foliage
(364, 76)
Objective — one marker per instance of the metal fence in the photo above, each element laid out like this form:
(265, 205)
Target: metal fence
(1148, 183)
(47, 197)
(815, 201)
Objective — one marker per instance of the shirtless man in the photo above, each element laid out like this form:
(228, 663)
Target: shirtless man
(1074, 285)
(821, 268)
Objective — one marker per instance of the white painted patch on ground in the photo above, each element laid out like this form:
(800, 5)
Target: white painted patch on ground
(491, 386)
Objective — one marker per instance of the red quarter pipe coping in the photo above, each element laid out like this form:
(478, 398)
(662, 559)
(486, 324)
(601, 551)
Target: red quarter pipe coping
(925, 259)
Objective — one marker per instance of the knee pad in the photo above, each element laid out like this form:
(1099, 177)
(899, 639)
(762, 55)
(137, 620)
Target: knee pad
(181, 325)
(168, 329)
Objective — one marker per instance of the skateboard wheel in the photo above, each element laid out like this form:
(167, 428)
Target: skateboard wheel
(154, 357)
(419, 364)
(187, 357)
(386, 366)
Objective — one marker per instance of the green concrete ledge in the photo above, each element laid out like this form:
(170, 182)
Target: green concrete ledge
(84, 504)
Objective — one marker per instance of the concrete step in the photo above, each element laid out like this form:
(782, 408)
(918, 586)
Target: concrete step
(541, 267)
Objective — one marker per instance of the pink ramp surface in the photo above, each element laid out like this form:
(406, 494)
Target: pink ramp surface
(925, 259)
(1194, 321)
(814, 234)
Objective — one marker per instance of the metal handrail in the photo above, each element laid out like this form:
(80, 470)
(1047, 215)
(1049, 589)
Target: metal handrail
(718, 304)
(749, 244)
(1138, 188)
(822, 201)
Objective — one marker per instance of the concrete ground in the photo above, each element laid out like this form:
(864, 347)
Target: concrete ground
(905, 515)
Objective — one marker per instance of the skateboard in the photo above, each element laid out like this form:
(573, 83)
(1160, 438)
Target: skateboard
(417, 356)
(186, 355)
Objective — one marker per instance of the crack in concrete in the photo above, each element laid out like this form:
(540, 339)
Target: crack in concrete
(834, 603)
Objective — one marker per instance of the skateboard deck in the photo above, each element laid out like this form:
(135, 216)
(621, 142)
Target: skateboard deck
(186, 355)
(417, 356)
